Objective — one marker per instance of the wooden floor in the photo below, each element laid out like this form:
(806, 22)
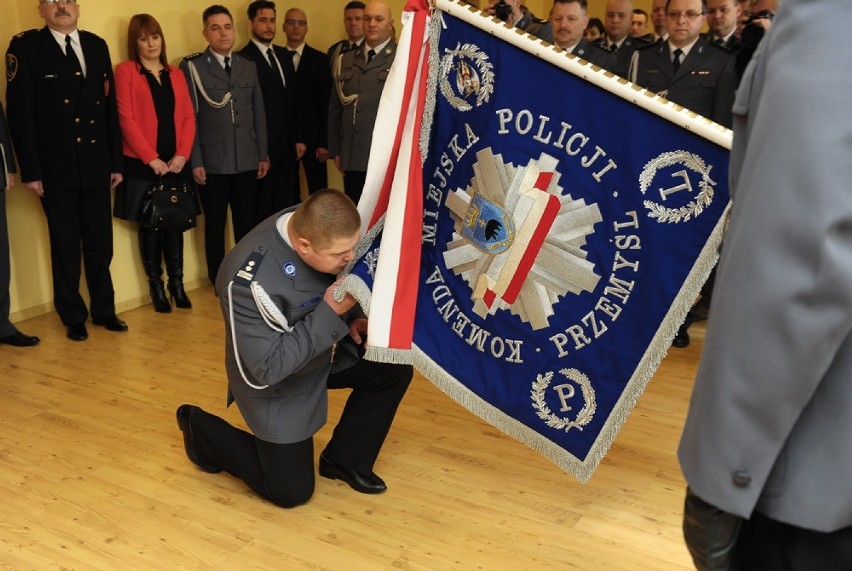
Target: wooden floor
(93, 473)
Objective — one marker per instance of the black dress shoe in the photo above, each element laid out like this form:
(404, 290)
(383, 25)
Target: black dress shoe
(111, 323)
(184, 414)
(364, 483)
(681, 340)
(77, 332)
(18, 339)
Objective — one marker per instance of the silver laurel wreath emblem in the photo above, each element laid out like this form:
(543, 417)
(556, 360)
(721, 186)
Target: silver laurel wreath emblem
(584, 416)
(695, 207)
(372, 260)
(471, 74)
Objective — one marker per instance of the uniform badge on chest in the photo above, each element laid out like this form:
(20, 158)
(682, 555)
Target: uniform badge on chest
(289, 269)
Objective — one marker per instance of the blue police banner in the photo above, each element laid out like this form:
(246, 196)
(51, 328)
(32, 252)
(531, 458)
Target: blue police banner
(563, 222)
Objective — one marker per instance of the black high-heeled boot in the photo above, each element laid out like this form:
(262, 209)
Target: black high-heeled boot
(173, 250)
(151, 249)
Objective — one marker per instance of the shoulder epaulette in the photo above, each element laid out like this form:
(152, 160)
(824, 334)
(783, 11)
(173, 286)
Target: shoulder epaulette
(25, 33)
(248, 269)
(645, 47)
(193, 56)
(725, 49)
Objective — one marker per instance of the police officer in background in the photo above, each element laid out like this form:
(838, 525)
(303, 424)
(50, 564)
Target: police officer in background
(354, 104)
(279, 188)
(230, 153)
(64, 125)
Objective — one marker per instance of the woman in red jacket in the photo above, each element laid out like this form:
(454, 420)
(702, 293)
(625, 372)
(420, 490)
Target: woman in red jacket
(158, 129)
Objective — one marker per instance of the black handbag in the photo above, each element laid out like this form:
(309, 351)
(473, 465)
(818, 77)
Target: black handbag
(171, 207)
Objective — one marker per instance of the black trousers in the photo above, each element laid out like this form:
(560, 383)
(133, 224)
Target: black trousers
(720, 541)
(765, 544)
(284, 473)
(239, 191)
(316, 173)
(6, 327)
(353, 184)
(279, 188)
(79, 223)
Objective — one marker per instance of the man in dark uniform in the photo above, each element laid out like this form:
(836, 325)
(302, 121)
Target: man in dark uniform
(689, 71)
(230, 153)
(64, 124)
(722, 18)
(279, 188)
(565, 26)
(9, 334)
(287, 342)
(617, 40)
(686, 69)
(311, 75)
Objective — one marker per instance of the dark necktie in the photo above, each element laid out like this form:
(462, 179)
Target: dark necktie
(719, 42)
(676, 61)
(72, 58)
(370, 55)
(613, 48)
(228, 65)
(295, 55)
(273, 62)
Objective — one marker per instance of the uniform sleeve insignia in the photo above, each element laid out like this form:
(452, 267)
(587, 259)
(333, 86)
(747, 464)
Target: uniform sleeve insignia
(193, 56)
(11, 67)
(245, 275)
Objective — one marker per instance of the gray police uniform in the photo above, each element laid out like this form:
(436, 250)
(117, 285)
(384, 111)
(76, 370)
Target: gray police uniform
(285, 347)
(280, 334)
(230, 142)
(354, 105)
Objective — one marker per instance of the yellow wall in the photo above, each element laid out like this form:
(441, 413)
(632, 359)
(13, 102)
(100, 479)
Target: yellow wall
(31, 290)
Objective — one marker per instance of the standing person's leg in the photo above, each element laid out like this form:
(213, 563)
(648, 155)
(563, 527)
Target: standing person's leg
(280, 473)
(6, 327)
(353, 184)
(96, 239)
(243, 200)
(765, 544)
(378, 389)
(316, 172)
(173, 253)
(214, 200)
(62, 210)
(151, 251)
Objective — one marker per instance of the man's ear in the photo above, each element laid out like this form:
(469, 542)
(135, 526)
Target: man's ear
(303, 245)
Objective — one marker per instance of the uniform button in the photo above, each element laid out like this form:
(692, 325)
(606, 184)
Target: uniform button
(94, 141)
(334, 335)
(67, 101)
(76, 119)
(741, 478)
(92, 122)
(78, 139)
